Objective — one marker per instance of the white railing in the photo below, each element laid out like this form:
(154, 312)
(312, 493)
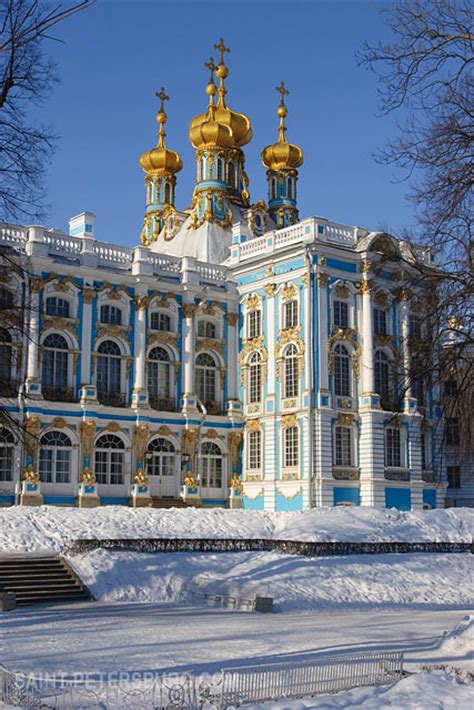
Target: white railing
(229, 688)
(211, 273)
(164, 263)
(252, 684)
(13, 235)
(341, 234)
(113, 254)
(62, 244)
(253, 246)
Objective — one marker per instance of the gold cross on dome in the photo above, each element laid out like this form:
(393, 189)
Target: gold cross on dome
(222, 49)
(282, 90)
(210, 65)
(163, 97)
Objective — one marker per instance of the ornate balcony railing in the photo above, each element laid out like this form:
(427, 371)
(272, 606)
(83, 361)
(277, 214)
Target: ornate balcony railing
(213, 407)
(111, 399)
(162, 404)
(53, 393)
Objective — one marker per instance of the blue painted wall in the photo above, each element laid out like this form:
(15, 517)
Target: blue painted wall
(399, 498)
(346, 495)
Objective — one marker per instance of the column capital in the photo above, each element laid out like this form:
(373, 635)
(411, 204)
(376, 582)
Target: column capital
(365, 287)
(189, 310)
(323, 279)
(232, 319)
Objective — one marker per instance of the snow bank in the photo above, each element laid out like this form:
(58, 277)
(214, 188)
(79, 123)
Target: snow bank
(436, 691)
(50, 527)
(297, 584)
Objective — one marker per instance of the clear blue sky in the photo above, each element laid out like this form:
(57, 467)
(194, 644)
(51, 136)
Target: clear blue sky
(117, 54)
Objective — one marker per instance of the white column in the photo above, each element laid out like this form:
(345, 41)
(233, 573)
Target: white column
(189, 397)
(405, 329)
(323, 335)
(140, 394)
(33, 384)
(367, 339)
(233, 357)
(86, 338)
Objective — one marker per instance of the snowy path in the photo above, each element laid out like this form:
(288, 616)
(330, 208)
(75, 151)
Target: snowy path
(102, 637)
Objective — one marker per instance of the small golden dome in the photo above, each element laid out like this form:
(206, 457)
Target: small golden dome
(205, 130)
(237, 123)
(282, 155)
(161, 158)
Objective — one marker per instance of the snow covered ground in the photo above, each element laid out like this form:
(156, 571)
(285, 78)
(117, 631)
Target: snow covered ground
(297, 584)
(50, 527)
(102, 637)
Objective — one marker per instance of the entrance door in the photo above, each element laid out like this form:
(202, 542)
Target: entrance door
(161, 468)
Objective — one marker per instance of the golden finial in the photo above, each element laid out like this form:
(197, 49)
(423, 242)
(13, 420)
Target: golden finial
(282, 111)
(221, 70)
(211, 87)
(161, 116)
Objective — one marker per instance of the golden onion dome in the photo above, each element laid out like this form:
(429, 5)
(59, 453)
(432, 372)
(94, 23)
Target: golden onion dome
(205, 130)
(282, 155)
(237, 123)
(161, 158)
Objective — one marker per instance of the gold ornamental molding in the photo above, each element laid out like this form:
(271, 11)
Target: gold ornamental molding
(163, 338)
(142, 302)
(365, 286)
(403, 294)
(287, 495)
(59, 423)
(60, 323)
(382, 341)
(366, 266)
(345, 419)
(35, 285)
(164, 430)
(323, 279)
(253, 425)
(189, 437)
(210, 344)
(289, 292)
(189, 310)
(232, 319)
(88, 295)
(252, 301)
(304, 279)
(289, 420)
(270, 290)
(114, 427)
(87, 429)
(113, 331)
(31, 426)
(234, 441)
(342, 292)
(140, 438)
(381, 299)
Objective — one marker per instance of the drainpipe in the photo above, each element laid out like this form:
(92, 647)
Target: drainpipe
(200, 425)
(21, 409)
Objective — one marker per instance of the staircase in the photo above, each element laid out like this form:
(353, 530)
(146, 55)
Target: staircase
(35, 580)
(168, 503)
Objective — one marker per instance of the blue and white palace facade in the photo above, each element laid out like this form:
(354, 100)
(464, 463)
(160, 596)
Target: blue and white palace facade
(237, 356)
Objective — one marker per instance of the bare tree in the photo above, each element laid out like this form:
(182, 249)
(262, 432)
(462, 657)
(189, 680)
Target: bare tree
(27, 77)
(425, 73)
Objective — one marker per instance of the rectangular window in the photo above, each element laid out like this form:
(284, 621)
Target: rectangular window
(415, 327)
(255, 450)
(254, 329)
(160, 321)
(290, 314)
(341, 314)
(111, 315)
(63, 466)
(454, 477)
(6, 463)
(380, 321)
(46, 465)
(343, 446)
(425, 454)
(393, 457)
(290, 445)
(452, 431)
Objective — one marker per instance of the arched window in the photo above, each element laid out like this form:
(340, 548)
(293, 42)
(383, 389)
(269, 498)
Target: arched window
(206, 378)
(55, 457)
(111, 315)
(290, 314)
(220, 169)
(211, 465)
(206, 329)
(380, 321)
(109, 370)
(56, 306)
(160, 321)
(5, 358)
(254, 452)
(54, 378)
(167, 193)
(6, 299)
(290, 372)
(342, 384)
(7, 451)
(273, 189)
(258, 221)
(340, 314)
(231, 174)
(382, 374)
(254, 379)
(289, 188)
(161, 458)
(254, 324)
(343, 446)
(158, 374)
(290, 447)
(109, 460)
(202, 168)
